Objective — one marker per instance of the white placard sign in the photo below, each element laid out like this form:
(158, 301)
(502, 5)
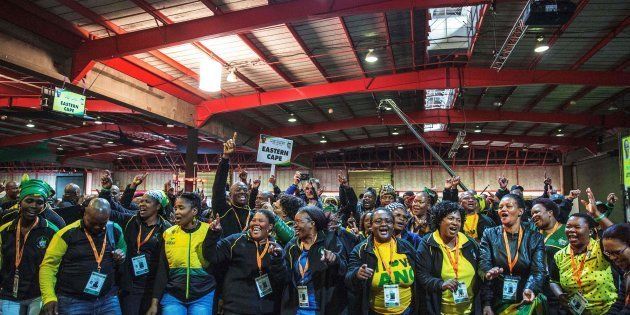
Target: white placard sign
(274, 150)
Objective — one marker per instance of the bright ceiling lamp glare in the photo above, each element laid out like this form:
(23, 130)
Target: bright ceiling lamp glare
(465, 146)
(477, 129)
(371, 56)
(98, 122)
(170, 125)
(560, 134)
(119, 157)
(292, 118)
(323, 140)
(110, 142)
(60, 148)
(210, 73)
(30, 124)
(395, 132)
(541, 45)
(167, 140)
(400, 147)
(231, 77)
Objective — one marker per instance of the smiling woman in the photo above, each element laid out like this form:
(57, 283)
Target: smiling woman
(383, 270)
(512, 258)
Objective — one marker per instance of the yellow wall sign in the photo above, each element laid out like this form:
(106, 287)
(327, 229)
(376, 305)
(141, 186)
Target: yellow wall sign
(68, 102)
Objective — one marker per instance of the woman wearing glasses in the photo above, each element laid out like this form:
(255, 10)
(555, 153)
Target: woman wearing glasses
(382, 270)
(317, 264)
(615, 241)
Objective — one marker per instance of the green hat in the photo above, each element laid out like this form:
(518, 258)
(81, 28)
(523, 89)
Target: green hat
(159, 196)
(35, 187)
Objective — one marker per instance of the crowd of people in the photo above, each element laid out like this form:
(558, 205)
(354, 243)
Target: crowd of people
(253, 251)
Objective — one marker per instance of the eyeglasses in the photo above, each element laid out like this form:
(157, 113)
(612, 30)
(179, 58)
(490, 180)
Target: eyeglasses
(381, 221)
(615, 253)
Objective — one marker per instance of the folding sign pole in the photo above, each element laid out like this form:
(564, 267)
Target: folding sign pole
(390, 103)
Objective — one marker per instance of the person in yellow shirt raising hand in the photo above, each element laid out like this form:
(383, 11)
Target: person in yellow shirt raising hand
(382, 270)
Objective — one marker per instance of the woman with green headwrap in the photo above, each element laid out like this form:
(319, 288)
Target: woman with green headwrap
(37, 187)
(142, 234)
(23, 243)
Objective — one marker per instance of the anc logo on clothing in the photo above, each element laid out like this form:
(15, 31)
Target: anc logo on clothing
(170, 241)
(42, 242)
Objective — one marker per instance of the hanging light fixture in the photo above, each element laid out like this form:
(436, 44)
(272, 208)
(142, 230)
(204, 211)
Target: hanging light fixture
(30, 124)
(541, 45)
(292, 118)
(395, 132)
(231, 77)
(210, 73)
(371, 56)
(323, 140)
(119, 157)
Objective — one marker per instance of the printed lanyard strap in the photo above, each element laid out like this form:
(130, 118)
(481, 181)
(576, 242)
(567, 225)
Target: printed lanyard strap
(512, 263)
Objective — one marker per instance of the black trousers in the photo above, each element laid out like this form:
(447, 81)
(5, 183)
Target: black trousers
(135, 303)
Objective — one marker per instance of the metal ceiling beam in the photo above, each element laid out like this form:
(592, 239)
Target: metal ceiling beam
(576, 97)
(541, 96)
(91, 105)
(609, 100)
(445, 137)
(304, 47)
(243, 21)
(453, 116)
(439, 78)
(354, 51)
(44, 26)
(35, 137)
(113, 149)
(602, 43)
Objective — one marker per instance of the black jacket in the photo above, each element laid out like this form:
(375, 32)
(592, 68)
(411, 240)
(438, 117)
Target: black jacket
(483, 224)
(119, 214)
(233, 218)
(531, 265)
(127, 199)
(348, 205)
(364, 254)
(450, 195)
(430, 273)
(240, 295)
(151, 250)
(71, 213)
(327, 279)
(38, 240)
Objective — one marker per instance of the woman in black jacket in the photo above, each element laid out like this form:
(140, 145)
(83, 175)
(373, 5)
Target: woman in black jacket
(142, 235)
(256, 272)
(513, 261)
(382, 269)
(451, 288)
(317, 264)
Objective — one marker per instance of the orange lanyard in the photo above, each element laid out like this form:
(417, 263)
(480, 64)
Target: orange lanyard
(146, 239)
(97, 256)
(387, 266)
(512, 263)
(243, 228)
(575, 270)
(454, 262)
(19, 250)
(259, 256)
(305, 268)
(555, 228)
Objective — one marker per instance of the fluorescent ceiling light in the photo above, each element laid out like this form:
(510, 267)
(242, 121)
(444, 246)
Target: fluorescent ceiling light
(371, 56)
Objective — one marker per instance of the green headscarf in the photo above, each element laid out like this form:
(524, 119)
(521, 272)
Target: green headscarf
(35, 187)
(159, 196)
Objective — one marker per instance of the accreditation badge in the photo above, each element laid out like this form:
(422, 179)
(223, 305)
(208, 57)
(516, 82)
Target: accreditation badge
(577, 303)
(303, 295)
(264, 286)
(140, 266)
(510, 286)
(392, 295)
(461, 294)
(95, 283)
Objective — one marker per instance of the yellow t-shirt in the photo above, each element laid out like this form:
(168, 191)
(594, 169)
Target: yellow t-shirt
(466, 273)
(470, 226)
(402, 273)
(598, 287)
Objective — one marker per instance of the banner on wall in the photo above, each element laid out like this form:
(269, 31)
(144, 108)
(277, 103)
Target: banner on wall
(274, 150)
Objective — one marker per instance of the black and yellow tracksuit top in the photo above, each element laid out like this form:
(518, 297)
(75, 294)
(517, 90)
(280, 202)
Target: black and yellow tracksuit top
(38, 240)
(183, 270)
(69, 262)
